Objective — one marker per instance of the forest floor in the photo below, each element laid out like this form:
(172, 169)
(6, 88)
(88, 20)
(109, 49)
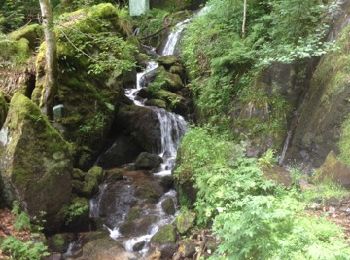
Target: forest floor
(7, 228)
(337, 211)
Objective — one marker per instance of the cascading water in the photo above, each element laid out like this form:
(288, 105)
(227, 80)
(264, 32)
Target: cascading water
(172, 128)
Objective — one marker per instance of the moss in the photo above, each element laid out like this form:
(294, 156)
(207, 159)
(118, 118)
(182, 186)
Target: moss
(32, 33)
(38, 164)
(14, 52)
(156, 102)
(185, 221)
(3, 109)
(344, 142)
(92, 179)
(166, 234)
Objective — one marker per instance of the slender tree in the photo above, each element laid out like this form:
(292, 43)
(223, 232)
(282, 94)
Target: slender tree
(50, 83)
(244, 18)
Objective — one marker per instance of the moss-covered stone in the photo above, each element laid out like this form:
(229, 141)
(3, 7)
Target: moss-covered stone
(32, 33)
(334, 170)
(92, 179)
(185, 221)
(3, 109)
(156, 103)
(90, 100)
(168, 206)
(35, 161)
(166, 234)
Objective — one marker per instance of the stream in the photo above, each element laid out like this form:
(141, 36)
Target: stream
(116, 213)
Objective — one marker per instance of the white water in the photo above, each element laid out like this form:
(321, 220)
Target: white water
(285, 147)
(174, 37)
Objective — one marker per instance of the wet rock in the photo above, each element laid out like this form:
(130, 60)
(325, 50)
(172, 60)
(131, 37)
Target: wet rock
(156, 103)
(150, 191)
(166, 234)
(168, 206)
(167, 250)
(35, 161)
(138, 246)
(148, 161)
(335, 170)
(185, 221)
(105, 249)
(124, 150)
(138, 227)
(141, 124)
(144, 93)
(167, 183)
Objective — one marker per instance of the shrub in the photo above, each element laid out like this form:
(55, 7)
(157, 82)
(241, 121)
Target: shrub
(24, 250)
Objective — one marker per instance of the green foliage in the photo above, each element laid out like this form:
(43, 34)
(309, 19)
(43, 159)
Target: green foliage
(253, 217)
(76, 209)
(24, 250)
(22, 219)
(16, 13)
(222, 61)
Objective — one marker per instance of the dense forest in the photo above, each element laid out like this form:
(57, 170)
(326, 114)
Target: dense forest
(174, 129)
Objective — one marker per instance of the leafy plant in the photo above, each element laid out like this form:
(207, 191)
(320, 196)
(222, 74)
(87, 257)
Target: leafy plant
(24, 250)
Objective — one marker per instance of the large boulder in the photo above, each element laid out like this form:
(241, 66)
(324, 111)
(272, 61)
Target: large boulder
(334, 170)
(148, 161)
(35, 161)
(166, 234)
(89, 91)
(141, 125)
(124, 150)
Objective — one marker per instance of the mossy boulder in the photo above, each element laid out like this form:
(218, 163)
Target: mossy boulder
(59, 242)
(168, 206)
(334, 170)
(168, 61)
(156, 103)
(185, 221)
(147, 161)
(35, 161)
(32, 33)
(166, 234)
(90, 94)
(86, 184)
(3, 109)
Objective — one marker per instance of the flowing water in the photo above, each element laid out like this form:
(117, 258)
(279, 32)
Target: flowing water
(172, 128)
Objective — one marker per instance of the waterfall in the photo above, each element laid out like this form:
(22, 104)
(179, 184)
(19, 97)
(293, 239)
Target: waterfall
(174, 37)
(285, 148)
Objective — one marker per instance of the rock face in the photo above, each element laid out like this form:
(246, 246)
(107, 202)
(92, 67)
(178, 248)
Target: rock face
(35, 161)
(325, 107)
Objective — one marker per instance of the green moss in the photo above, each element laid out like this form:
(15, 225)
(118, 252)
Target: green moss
(3, 109)
(166, 234)
(185, 221)
(32, 33)
(344, 142)
(92, 179)
(12, 51)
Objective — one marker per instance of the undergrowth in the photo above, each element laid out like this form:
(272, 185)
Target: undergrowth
(254, 218)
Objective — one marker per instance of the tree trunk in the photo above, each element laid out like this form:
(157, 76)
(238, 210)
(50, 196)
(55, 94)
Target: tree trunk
(244, 18)
(49, 87)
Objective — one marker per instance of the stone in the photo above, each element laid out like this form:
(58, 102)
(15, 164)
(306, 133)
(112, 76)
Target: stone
(168, 206)
(334, 170)
(187, 248)
(138, 227)
(166, 234)
(105, 248)
(59, 242)
(35, 161)
(91, 181)
(141, 124)
(138, 246)
(124, 150)
(167, 182)
(78, 174)
(147, 161)
(185, 221)
(168, 61)
(156, 103)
